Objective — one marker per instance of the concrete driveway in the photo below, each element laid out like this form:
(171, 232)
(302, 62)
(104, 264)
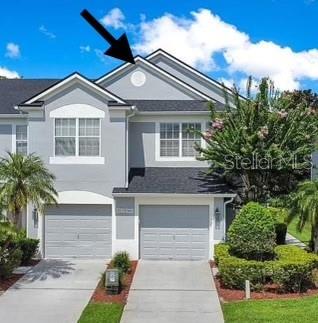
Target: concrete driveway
(173, 292)
(53, 291)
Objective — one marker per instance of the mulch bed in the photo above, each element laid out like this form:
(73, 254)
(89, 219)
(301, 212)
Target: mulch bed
(270, 292)
(7, 283)
(100, 295)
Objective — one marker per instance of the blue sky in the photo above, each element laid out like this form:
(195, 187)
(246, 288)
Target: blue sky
(227, 39)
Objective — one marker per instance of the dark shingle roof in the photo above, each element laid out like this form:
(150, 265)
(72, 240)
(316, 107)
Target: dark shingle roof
(15, 91)
(172, 105)
(178, 180)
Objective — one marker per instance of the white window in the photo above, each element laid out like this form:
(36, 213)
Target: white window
(77, 137)
(177, 140)
(21, 139)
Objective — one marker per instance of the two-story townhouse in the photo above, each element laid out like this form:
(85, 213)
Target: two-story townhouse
(126, 170)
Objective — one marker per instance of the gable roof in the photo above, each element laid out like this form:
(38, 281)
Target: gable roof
(139, 59)
(68, 79)
(14, 91)
(160, 52)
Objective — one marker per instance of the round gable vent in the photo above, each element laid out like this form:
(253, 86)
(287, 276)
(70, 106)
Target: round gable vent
(138, 78)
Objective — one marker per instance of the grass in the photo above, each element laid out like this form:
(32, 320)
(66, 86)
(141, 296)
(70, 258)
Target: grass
(303, 236)
(272, 311)
(101, 313)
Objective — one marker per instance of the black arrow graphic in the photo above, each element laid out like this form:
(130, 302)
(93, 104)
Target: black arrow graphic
(119, 48)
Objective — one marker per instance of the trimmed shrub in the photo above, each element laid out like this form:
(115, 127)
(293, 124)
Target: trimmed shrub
(252, 233)
(9, 260)
(281, 231)
(293, 271)
(121, 261)
(234, 271)
(221, 251)
(28, 247)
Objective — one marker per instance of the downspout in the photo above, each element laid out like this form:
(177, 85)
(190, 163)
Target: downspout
(224, 212)
(133, 109)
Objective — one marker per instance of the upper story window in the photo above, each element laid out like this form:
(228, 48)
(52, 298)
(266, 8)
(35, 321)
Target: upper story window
(77, 137)
(21, 139)
(176, 140)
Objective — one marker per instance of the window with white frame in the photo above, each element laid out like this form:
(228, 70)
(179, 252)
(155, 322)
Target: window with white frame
(178, 139)
(77, 137)
(21, 139)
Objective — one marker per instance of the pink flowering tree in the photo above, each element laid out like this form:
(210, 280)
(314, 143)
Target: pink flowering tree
(262, 145)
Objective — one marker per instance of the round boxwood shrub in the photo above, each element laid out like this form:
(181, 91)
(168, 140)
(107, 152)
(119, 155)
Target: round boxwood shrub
(252, 233)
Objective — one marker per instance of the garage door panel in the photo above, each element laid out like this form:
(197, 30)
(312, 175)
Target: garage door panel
(174, 232)
(81, 232)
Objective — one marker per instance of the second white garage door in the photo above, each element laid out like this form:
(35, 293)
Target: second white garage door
(174, 232)
(78, 231)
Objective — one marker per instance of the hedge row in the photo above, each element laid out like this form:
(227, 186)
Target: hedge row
(291, 270)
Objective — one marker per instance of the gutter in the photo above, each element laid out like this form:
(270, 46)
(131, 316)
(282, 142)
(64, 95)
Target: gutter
(133, 112)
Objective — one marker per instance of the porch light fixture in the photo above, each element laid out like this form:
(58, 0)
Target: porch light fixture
(217, 215)
(35, 217)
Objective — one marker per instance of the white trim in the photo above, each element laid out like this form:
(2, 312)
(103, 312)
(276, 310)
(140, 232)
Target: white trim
(77, 159)
(82, 197)
(190, 113)
(77, 111)
(189, 68)
(159, 70)
(69, 79)
(68, 160)
(174, 195)
(180, 157)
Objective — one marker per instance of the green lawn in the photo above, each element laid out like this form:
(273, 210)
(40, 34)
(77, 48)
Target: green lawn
(272, 311)
(303, 236)
(101, 313)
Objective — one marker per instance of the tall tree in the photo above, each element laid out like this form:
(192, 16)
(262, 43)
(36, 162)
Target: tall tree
(25, 179)
(262, 145)
(304, 204)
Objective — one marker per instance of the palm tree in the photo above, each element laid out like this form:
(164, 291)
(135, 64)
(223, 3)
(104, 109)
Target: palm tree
(304, 204)
(25, 179)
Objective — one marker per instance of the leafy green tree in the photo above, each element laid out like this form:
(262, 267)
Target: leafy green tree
(303, 204)
(261, 145)
(25, 179)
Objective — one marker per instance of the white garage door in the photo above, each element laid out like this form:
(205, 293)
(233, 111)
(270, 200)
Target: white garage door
(174, 232)
(79, 231)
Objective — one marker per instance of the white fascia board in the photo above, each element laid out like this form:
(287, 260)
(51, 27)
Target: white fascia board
(206, 195)
(69, 79)
(189, 68)
(159, 70)
(151, 113)
(13, 116)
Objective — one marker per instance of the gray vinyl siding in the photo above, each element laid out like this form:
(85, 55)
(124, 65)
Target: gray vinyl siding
(142, 148)
(156, 87)
(5, 138)
(95, 178)
(125, 217)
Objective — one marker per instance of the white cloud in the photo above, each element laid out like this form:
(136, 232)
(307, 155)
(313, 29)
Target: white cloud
(114, 18)
(47, 33)
(13, 50)
(85, 49)
(197, 39)
(100, 54)
(4, 72)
